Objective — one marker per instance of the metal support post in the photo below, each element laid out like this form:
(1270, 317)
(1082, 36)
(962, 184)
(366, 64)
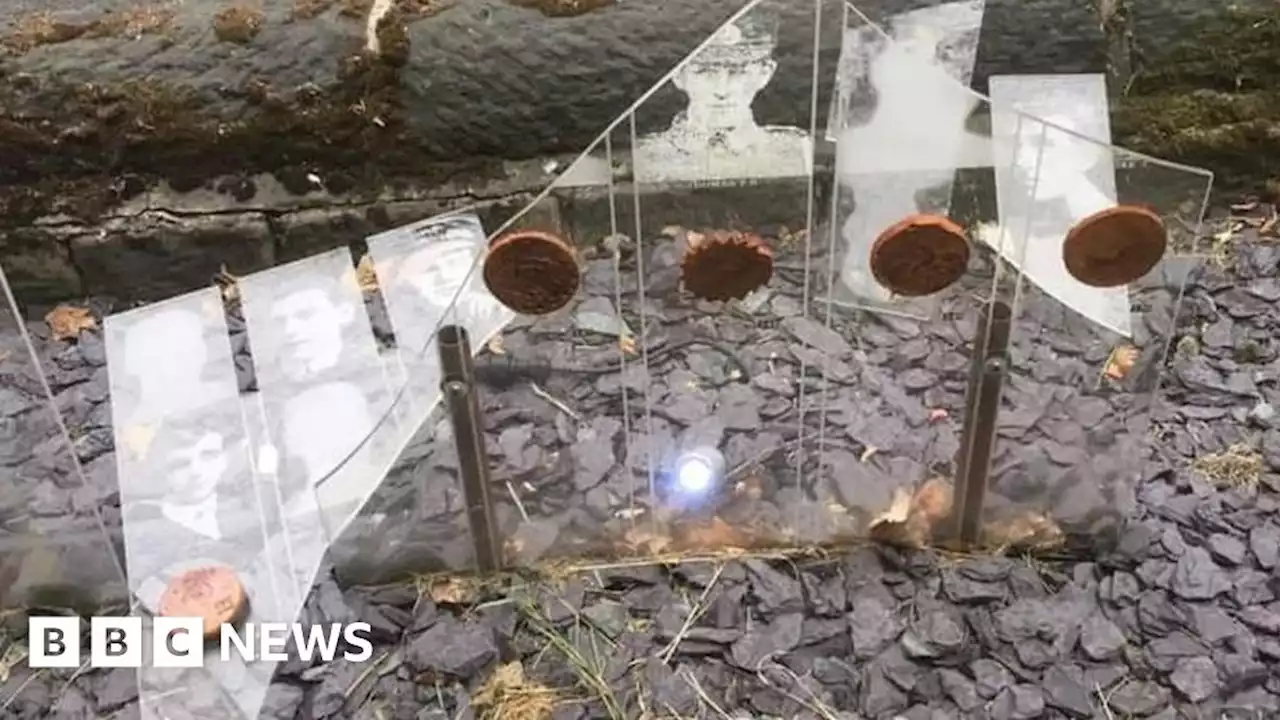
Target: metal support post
(982, 408)
(457, 384)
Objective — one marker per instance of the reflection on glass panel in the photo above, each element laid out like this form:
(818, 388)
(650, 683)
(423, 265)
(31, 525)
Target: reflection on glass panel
(59, 542)
(323, 385)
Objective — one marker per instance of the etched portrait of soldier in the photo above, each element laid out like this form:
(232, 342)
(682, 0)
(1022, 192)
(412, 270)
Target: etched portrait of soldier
(436, 280)
(192, 495)
(312, 320)
(900, 120)
(716, 138)
(307, 323)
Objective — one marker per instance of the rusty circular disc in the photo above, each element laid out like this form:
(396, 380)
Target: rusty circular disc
(532, 272)
(920, 255)
(1115, 247)
(212, 593)
(726, 265)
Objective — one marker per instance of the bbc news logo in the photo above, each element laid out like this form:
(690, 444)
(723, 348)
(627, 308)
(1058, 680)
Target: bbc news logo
(178, 642)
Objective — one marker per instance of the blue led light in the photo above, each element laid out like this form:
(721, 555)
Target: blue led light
(698, 471)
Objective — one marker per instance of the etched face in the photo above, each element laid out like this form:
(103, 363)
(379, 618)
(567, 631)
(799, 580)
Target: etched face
(194, 471)
(440, 270)
(725, 78)
(312, 326)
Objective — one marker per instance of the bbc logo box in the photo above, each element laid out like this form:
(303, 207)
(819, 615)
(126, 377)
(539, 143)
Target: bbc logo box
(56, 642)
(178, 642)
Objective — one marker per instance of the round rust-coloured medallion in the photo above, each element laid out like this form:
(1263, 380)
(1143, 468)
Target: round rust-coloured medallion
(726, 265)
(532, 272)
(1115, 247)
(213, 593)
(920, 255)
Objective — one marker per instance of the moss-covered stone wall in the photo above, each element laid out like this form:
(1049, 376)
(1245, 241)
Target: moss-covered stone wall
(1209, 96)
(260, 132)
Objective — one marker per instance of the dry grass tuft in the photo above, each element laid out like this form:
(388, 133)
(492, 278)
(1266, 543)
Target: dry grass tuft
(1237, 466)
(509, 695)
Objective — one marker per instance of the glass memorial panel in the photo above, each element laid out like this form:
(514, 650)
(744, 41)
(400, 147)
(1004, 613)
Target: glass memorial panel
(1110, 239)
(60, 545)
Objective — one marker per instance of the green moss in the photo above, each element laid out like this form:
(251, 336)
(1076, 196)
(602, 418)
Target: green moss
(1233, 134)
(355, 133)
(1206, 97)
(1235, 50)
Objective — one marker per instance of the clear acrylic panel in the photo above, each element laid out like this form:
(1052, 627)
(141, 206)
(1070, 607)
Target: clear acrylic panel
(417, 519)
(1110, 238)
(649, 400)
(203, 487)
(639, 437)
(60, 540)
(213, 386)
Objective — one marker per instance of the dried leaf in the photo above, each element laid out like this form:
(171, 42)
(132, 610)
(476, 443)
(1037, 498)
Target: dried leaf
(68, 322)
(911, 518)
(645, 541)
(137, 439)
(933, 501)
(628, 345)
(453, 591)
(714, 535)
(367, 274)
(1269, 227)
(1029, 531)
(898, 511)
(1121, 362)
(496, 346)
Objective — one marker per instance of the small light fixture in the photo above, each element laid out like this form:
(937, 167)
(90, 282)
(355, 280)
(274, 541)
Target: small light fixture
(698, 471)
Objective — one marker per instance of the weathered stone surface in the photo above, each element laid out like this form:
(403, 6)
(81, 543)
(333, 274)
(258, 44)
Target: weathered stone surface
(101, 100)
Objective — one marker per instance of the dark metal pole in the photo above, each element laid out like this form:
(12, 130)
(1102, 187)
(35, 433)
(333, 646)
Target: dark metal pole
(982, 408)
(457, 384)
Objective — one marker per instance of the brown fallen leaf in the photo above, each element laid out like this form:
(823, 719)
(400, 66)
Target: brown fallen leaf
(137, 439)
(1269, 227)
(367, 274)
(1121, 362)
(892, 526)
(628, 344)
(453, 591)
(912, 518)
(933, 501)
(67, 321)
(715, 534)
(1027, 532)
(645, 541)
